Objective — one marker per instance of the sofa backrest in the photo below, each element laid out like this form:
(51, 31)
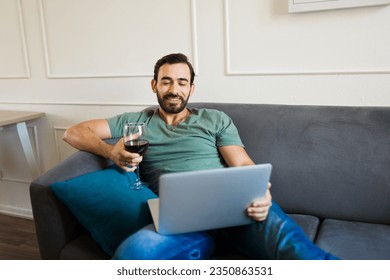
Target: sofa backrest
(331, 162)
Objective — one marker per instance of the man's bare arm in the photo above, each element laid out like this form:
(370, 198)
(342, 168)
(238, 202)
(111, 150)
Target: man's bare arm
(88, 136)
(237, 156)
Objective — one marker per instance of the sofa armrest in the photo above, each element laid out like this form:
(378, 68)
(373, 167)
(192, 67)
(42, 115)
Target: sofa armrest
(55, 224)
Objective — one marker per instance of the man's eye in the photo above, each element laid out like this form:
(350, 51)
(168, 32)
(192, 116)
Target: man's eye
(183, 84)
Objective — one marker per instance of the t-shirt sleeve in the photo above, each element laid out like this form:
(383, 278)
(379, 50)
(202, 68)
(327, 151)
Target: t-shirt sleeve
(116, 125)
(228, 134)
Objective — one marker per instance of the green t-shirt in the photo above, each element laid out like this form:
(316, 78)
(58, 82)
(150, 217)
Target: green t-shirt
(192, 145)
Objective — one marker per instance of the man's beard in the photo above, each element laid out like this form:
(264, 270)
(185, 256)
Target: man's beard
(172, 108)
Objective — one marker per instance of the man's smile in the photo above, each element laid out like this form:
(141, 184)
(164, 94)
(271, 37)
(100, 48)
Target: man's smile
(173, 98)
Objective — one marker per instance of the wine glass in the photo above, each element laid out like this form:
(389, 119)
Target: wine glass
(135, 141)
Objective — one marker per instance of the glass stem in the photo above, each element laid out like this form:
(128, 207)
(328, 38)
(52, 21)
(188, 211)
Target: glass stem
(138, 181)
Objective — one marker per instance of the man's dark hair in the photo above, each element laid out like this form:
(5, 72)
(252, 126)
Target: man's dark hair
(173, 59)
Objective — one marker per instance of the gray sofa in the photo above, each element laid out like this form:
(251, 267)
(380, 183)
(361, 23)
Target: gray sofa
(331, 173)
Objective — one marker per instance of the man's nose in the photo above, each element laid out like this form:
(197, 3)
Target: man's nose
(174, 88)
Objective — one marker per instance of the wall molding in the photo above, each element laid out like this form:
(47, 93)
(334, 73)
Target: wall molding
(55, 103)
(229, 71)
(57, 142)
(14, 180)
(16, 212)
(22, 34)
(46, 49)
(33, 129)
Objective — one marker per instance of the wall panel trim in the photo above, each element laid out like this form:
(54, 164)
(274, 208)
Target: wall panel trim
(59, 103)
(51, 75)
(229, 71)
(16, 211)
(22, 33)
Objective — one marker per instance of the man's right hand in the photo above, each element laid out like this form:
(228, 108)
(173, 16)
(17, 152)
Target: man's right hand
(122, 158)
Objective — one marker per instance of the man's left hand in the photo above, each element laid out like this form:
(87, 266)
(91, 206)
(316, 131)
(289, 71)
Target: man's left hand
(258, 210)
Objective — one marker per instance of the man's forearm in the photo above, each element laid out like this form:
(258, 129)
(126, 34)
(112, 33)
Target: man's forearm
(82, 138)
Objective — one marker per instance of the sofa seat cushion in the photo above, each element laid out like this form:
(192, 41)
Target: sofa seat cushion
(83, 247)
(355, 240)
(309, 224)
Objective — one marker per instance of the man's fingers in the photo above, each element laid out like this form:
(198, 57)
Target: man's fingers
(128, 168)
(258, 216)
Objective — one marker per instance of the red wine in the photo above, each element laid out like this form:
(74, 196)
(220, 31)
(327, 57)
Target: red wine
(137, 146)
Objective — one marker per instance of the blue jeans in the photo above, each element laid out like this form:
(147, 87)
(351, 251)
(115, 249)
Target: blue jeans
(278, 237)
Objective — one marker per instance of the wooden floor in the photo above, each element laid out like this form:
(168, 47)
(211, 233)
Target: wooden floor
(17, 239)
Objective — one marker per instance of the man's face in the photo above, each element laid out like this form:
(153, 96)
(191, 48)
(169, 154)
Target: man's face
(173, 87)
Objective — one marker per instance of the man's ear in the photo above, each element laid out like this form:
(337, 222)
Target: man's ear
(192, 89)
(153, 85)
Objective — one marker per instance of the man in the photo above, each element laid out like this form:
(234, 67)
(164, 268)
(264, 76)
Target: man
(182, 139)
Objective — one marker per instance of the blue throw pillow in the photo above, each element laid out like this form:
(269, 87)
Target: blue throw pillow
(105, 205)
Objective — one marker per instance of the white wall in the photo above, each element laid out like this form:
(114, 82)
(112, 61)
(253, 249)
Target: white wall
(82, 59)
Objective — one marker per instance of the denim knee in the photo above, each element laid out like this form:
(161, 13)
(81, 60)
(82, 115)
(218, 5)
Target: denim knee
(147, 244)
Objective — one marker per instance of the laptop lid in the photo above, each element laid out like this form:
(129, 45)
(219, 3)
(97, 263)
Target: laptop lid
(207, 199)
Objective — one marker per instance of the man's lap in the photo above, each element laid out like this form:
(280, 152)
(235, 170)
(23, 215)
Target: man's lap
(147, 244)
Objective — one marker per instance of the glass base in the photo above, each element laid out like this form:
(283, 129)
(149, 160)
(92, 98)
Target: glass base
(138, 185)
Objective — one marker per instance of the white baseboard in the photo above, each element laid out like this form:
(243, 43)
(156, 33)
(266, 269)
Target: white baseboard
(16, 212)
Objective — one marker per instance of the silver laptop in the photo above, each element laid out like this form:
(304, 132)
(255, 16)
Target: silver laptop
(207, 199)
